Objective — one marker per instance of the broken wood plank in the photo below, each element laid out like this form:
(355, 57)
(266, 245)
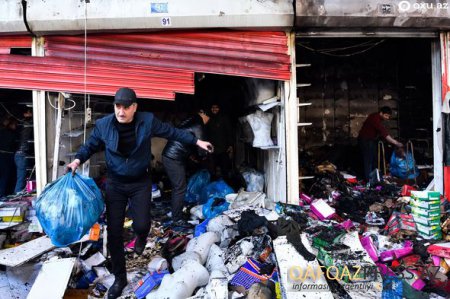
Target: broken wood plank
(288, 258)
(54, 273)
(372, 289)
(16, 256)
(20, 279)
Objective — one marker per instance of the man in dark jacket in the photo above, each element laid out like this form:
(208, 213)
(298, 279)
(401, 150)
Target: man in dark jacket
(20, 157)
(371, 130)
(174, 158)
(126, 138)
(219, 132)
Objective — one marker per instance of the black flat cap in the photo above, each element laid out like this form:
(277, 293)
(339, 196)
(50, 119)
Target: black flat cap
(125, 96)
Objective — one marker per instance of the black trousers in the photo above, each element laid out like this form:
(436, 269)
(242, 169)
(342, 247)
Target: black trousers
(177, 175)
(368, 149)
(137, 195)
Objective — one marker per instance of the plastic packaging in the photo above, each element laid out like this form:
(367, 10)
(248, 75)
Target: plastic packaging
(215, 206)
(217, 189)
(404, 168)
(368, 245)
(68, 207)
(201, 228)
(195, 186)
(148, 283)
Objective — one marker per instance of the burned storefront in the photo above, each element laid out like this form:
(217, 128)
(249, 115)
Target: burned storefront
(286, 210)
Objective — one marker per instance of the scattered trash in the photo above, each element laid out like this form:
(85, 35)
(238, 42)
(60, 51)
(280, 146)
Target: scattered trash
(241, 243)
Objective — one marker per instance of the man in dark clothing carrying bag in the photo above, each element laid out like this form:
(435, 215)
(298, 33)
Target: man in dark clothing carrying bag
(126, 138)
(174, 158)
(371, 130)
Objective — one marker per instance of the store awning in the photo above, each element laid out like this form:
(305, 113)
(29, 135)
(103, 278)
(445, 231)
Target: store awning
(156, 65)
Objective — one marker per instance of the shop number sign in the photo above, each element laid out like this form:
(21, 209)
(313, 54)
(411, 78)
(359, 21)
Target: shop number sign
(165, 21)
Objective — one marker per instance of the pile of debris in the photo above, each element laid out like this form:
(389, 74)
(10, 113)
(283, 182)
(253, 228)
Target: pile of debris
(343, 239)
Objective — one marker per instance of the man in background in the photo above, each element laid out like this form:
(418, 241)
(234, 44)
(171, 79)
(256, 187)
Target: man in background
(219, 133)
(174, 158)
(371, 130)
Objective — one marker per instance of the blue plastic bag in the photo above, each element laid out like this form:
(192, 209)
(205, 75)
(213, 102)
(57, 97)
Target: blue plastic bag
(68, 207)
(217, 189)
(214, 207)
(392, 288)
(201, 228)
(403, 168)
(195, 186)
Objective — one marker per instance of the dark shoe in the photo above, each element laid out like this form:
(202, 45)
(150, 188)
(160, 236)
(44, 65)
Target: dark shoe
(116, 289)
(139, 245)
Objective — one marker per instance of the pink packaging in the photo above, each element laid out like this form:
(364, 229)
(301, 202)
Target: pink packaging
(415, 281)
(440, 249)
(385, 270)
(347, 224)
(31, 186)
(323, 211)
(390, 255)
(367, 243)
(418, 284)
(436, 260)
(307, 199)
(387, 256)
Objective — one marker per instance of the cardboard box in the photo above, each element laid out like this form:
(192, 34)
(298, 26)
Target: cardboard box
(433, 220)
(425, 213)
(428, 230)
(321, 209)
(430, 205)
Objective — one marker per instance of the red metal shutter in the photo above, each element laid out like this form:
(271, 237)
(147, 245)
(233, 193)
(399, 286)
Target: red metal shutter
(156, 65)
(8, 42)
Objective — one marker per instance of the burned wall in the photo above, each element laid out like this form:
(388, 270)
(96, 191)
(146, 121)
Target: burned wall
(352, 78)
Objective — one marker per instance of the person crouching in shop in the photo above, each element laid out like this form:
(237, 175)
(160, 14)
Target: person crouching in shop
(175, 156)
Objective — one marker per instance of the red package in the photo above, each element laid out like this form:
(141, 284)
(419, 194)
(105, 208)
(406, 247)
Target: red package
(411, 260)
(406, 190)
(442, 249)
